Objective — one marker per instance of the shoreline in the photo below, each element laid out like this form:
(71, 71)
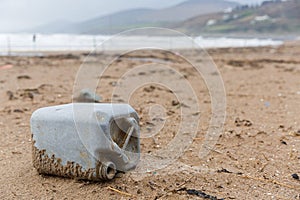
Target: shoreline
(64, 42)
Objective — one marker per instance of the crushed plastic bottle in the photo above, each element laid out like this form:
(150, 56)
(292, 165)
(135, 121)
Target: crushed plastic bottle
(85, 140)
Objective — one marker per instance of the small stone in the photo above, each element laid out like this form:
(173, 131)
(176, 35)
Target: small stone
(175, 103)
(151, 88)
(87, 96)
(281, 126)
(295, 176)
(283, 142)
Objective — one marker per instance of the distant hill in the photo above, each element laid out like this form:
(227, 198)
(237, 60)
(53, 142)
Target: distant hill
(272, 17)
(190, 8)
(117, 22)
(139, 18)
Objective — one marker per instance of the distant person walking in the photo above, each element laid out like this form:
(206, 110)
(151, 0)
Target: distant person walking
(34, 42)
(34, 38)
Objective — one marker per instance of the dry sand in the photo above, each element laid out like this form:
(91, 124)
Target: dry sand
(255, 157)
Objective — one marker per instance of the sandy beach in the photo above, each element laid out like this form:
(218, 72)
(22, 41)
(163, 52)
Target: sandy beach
(255, 157)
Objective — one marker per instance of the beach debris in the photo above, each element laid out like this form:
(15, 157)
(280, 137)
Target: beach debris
(120, 192)
(236, 63)
(170, 112)
(283, 142)
(223, 170)
(199, 194)
(267, 104)
(295, 176)
(174, 190)
(18, 111)
(8, 66)
(281, 126)
(295, 133)
(23, 77)
(62, 56)
(87, 96)
(244, 122)
(175, 103)
(151, 88)
(28, 93)
(45, 87)
(10, 95)
(85, 141)
(16, 152)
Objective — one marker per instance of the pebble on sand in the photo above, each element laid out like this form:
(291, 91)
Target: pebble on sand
(295, 176)
(87, 96)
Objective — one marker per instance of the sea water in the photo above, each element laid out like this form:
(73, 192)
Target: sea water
(10, 43)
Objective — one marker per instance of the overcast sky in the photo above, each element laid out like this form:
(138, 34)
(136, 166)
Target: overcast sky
(24, 14)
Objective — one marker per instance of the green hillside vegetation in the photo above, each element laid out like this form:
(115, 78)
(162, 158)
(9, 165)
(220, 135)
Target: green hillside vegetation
(274, 17)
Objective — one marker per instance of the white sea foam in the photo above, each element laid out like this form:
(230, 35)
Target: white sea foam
(67, 42)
